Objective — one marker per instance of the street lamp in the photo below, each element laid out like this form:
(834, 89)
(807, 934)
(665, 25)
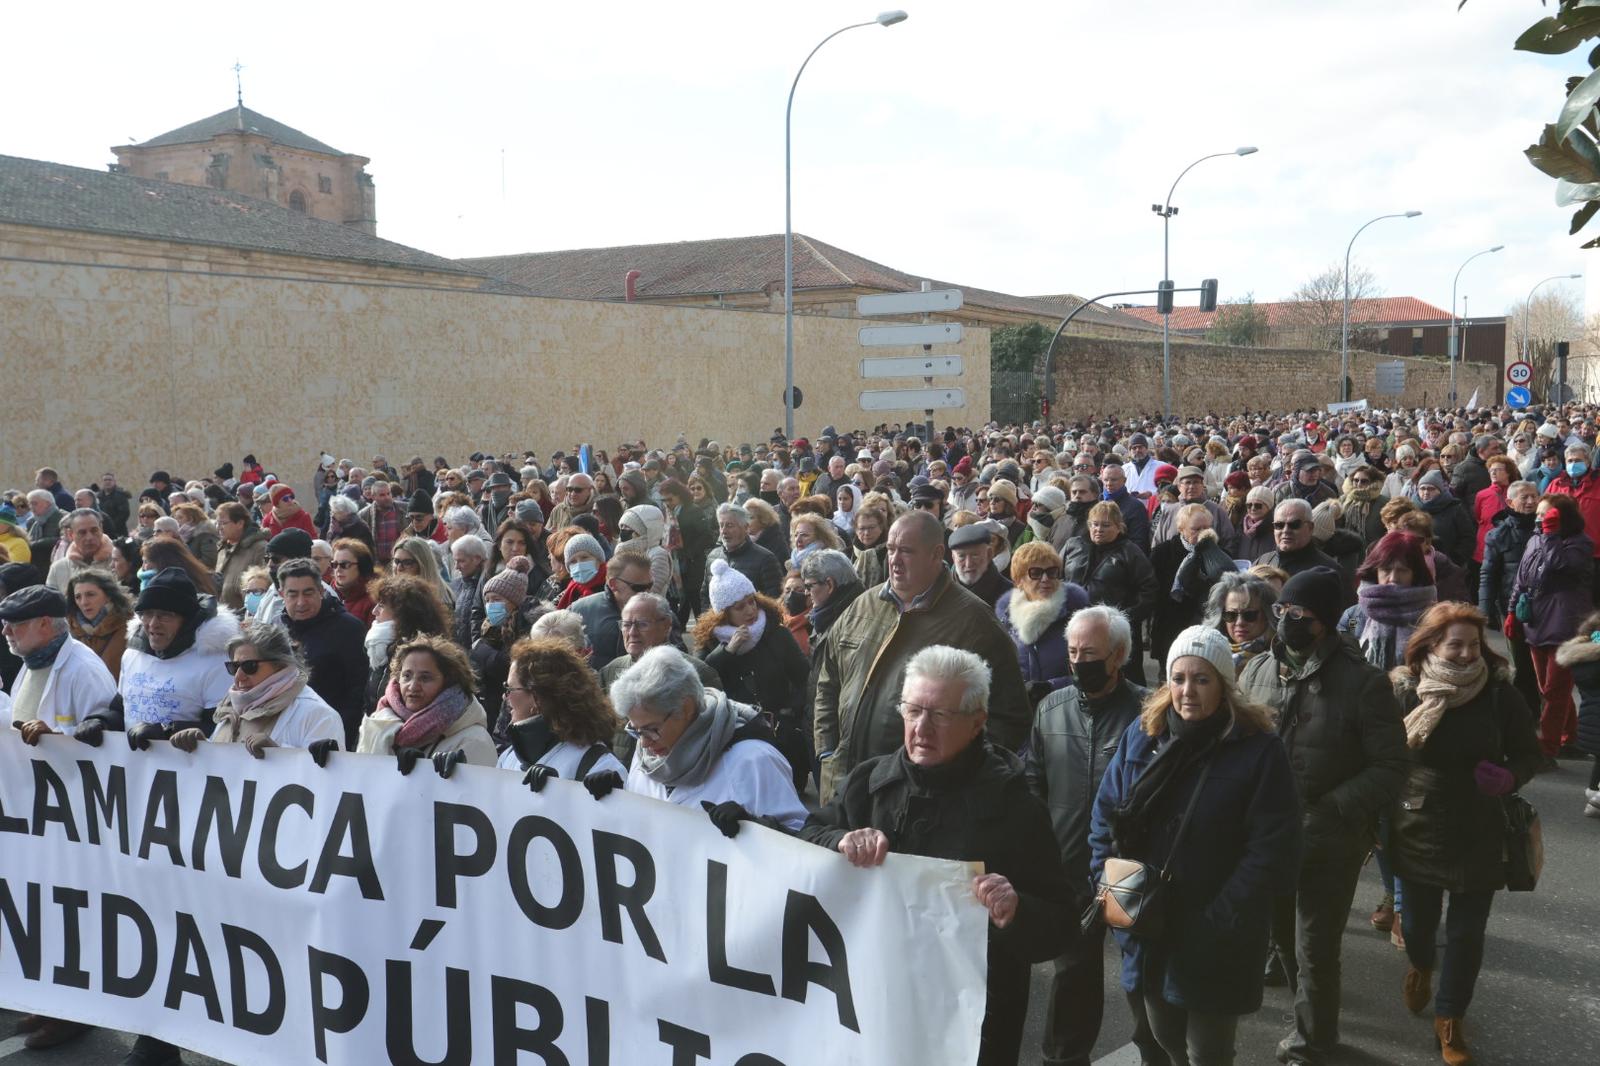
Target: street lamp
(1344, 328)
(1453, 327)
(887, 18)
(1528, 307)
(1166, 211)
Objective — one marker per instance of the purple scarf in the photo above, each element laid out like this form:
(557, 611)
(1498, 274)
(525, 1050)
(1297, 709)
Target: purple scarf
(1392, 613)
(422, 728)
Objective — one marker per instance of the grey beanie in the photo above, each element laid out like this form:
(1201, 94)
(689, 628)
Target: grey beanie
(583, 542)
(1434, 478)
(530, 511)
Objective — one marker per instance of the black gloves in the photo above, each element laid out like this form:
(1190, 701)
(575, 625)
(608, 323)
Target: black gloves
(537, 775)
(727, 816)
(445, 762)
(406, 758)
(91, 732)
(140, 734)
(601, 783)
(319, 750)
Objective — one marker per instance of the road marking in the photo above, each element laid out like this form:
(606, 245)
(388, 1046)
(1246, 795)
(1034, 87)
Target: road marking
(1126, 1055)
(11, 1047)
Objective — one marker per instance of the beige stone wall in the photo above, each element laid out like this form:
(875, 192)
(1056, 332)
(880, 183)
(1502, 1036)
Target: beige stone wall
(131, 370)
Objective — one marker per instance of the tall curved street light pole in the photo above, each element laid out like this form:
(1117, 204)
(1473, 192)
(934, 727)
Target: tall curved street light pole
(887, 18)
(1344, 327)
(1166, 211)
(1454, 332)
(1527, 306)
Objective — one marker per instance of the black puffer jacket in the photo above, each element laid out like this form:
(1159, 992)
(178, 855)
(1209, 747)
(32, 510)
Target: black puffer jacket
(1443, 831)
(334, 645)
(1502, 552)
(1117, 574)
(1339, 720)
(1454, 531)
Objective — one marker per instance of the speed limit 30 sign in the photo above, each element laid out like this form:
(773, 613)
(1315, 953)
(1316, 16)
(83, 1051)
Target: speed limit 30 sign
(1519, 373)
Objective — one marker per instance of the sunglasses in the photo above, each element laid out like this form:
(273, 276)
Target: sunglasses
(249, 666)
(1231, 617)
(1256, 506)
(343, 565)
(643, 587)
(1041, 573)
(1291, 525)
(406, 564)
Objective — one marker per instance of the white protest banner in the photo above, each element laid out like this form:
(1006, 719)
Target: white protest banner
(269, 912)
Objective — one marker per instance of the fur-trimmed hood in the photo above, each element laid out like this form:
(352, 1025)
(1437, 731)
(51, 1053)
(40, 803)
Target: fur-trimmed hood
(214, 629)
(1578, 650)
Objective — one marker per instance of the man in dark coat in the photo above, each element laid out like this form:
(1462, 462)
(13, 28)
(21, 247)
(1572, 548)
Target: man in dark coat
(115, 503)
(947, 793)
(331, 639)
(972, 561)
(1075, 733)
(1471, 476)
(743, 554)
(1296, 548)
(1134, 514)
(1340, 722)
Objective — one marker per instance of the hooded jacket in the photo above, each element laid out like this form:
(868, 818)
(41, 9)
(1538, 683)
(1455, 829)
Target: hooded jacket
(649, 526)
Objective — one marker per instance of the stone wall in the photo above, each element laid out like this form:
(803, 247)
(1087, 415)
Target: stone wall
(1098, 377)
(137, 368)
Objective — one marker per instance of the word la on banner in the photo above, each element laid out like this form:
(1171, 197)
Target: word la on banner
(266, 911)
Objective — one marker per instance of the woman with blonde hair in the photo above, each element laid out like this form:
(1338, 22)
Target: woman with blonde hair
(766, 528)
(415, 557)
(199, 533)
(1034, 613)
(809, 533)
(1200, 786)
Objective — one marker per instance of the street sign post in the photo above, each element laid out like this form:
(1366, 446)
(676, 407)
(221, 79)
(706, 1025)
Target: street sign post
(912, 399)
(931, 366)
(907, 336)
(1519, 373)
(1517, 396)
(928, 301)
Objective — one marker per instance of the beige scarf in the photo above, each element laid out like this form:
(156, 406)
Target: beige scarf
(1442, 685)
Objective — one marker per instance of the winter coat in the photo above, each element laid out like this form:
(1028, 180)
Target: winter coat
(975, 808)
(234, 559)
(469, 734)
(1556, 571)
(1486, 506)
(751, 560)
(698, 532)
(774, 541)
(1347, 551)
(491, 666)
(78, 687)
(1117, 574)
(1240, 851)
(108, 640)
(355, 529)
(44, 532)
(1443, 831)
(272, 525)
(1502, 553)
(116, 505)
(770, 676)
(1581, 655)
(1454, 529)
(465, 590)
(872, 564)
(862, 666)
(1365, 520)
(1164, 526)
(333, 642)
(359, 602)
(1308, 558)
(1135, 518)
(602, 624)
(989, 587)
(1340, 724)
(1253, 545)
(1073, 741)
(1586, 490)
(1194, 572)
(203, 542)
(1042, 652)
(1469, 478)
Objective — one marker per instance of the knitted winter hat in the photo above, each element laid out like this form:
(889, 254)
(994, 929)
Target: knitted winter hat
(512, 582)
(728, 586)
(278, 492)
(170, 590)
(8, 515)
(1049, 499)
(1434, 478)
(1001, 489)
(530, 512)
(419, 503)
(1207, 643)
(583, 542)
(1319, 590)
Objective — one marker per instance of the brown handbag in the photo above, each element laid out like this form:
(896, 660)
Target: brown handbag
(1131, 895)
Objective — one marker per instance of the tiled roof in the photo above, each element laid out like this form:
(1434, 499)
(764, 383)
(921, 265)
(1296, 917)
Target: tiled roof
(1384, 310)
(235, 119)
(735, 265)
(54, 196)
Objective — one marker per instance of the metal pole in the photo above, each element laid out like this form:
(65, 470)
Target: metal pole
(1049, 349)
(1344, 327)
(788, 232)
(1454, 329)
(1527, 309)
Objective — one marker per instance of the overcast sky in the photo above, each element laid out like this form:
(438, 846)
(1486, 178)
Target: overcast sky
(1007, 144)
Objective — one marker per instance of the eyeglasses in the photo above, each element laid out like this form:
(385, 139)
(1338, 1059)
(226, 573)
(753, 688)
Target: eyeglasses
(1043, 573)
(645, 732)
(913, 713)
(1252, 615)
(1291, 525)
(404, 564)
(1281, 611)
(249, 666)
(642, 587)
(337, 565)
(1255, 506)
(630, 626)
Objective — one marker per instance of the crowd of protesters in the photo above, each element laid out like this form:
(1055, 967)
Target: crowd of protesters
(1235, 655)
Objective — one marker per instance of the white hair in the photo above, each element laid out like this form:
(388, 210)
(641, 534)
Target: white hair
(1292, 508)
(166, 524)
(1117, 628)
(941, 663)
(563, 625)
(324, 545)
(470, 545)
(41, 494)
(463, 518)
(342, 504)
(734, 511)
(661, 679)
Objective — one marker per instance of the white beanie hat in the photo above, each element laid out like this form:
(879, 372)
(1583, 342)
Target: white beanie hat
(1050, 499)
(1207, 643)
(728, 586)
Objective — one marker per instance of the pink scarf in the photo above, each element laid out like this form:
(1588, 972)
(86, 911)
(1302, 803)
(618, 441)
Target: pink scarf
(421, 728)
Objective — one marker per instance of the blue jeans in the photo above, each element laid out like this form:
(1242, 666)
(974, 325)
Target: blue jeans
(1463, 949)
(1391, 885)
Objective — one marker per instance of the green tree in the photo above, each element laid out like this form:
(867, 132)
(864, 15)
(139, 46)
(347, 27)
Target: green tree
(1015, 372)
(1240, 323)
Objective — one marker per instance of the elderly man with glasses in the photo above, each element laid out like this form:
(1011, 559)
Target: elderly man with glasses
(1294, 549)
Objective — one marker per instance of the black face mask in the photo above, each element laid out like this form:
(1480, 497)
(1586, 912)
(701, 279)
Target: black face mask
(770, 497)
(1297, 633)
(1091, 676)
(795, 602)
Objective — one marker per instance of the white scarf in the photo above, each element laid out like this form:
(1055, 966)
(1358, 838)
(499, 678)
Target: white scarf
(380, 638)
(758, 627)
(1030, 618)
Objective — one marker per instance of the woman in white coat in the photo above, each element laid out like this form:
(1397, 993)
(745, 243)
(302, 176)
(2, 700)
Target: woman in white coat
(270, 705)
(561, 722)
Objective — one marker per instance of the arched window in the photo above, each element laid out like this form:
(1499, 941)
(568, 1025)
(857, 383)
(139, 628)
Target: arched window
(297, 201)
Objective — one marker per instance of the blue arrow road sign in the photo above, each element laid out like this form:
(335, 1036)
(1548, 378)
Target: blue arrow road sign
(1517, 396)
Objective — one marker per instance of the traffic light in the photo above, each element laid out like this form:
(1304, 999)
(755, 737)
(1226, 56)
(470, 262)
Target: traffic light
(1208, 294)
(1164, 298)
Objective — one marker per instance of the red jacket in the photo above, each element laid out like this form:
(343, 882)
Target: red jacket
(301, 519)
(1490, 502)
(1587, 492)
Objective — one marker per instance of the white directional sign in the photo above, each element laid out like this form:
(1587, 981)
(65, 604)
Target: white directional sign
(912, 399)
(908, 336)
(932, 366)
(908, 303)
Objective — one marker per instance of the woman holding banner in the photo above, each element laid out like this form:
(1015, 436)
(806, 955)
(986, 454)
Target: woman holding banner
(948, 794)
(429, 709)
